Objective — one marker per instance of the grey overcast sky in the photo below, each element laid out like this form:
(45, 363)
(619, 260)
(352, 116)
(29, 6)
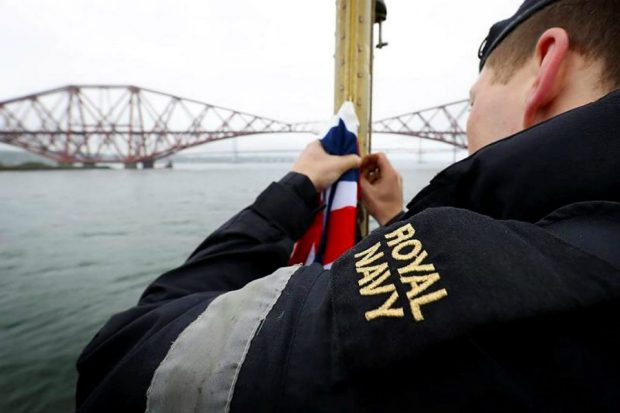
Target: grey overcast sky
(272, 58)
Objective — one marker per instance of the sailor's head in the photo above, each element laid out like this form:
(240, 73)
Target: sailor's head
(550, 57)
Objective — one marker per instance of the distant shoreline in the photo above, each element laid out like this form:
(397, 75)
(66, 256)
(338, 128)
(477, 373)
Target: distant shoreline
(38, 166)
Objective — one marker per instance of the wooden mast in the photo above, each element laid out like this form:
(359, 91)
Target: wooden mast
(353, 58)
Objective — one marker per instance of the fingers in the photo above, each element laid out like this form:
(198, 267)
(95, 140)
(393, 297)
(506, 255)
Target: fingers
(372, 174)
(369, 161)
(370, 169)
(377, 166)
(383, 162)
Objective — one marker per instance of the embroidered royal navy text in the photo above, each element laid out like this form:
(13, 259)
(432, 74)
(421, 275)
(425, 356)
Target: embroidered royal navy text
(416, 274)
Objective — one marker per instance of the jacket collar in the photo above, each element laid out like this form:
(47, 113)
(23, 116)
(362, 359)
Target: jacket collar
(574, 157)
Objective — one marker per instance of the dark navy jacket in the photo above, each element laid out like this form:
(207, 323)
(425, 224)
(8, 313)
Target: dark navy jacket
(498, 290)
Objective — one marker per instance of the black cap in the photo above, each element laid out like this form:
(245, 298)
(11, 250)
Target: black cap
(501, 29)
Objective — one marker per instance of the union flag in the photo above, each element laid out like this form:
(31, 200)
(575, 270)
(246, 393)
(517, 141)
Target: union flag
(334, 229)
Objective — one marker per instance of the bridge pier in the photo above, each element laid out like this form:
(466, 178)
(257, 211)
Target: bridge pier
(131, 165)
(89, 164)
(148, 164)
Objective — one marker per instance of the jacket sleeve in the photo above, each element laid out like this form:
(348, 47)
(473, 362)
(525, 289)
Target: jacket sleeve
(252, 244)
(116, 367)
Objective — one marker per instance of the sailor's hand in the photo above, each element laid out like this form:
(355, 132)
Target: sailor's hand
(323, 169)
(382, 188)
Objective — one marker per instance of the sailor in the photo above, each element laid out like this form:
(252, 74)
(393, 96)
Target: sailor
(497, 290)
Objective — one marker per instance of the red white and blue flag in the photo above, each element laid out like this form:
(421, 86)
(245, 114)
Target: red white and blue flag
(334, 229)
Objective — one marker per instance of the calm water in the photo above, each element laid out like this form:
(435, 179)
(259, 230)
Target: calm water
(78, 246)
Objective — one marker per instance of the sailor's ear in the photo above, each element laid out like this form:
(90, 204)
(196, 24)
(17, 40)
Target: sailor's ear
(549, 66)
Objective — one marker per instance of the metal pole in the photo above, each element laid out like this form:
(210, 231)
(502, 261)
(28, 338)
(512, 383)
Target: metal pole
(354, 45)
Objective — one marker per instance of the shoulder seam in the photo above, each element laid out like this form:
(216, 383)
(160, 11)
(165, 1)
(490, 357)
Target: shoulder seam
(577, 210)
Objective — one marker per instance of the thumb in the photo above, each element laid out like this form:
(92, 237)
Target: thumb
(348, 162)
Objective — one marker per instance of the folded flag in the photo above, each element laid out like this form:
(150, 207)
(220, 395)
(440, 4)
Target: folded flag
(334, 229)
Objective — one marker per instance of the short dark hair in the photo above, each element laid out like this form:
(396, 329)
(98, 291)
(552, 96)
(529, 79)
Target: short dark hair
(593, 27)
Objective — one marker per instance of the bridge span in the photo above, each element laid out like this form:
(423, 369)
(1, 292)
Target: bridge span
(93, 124)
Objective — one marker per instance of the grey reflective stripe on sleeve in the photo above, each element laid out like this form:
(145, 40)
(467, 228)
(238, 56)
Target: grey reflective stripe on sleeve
(201, 368)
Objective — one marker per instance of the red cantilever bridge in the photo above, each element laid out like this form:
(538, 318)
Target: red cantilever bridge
(101, 124)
